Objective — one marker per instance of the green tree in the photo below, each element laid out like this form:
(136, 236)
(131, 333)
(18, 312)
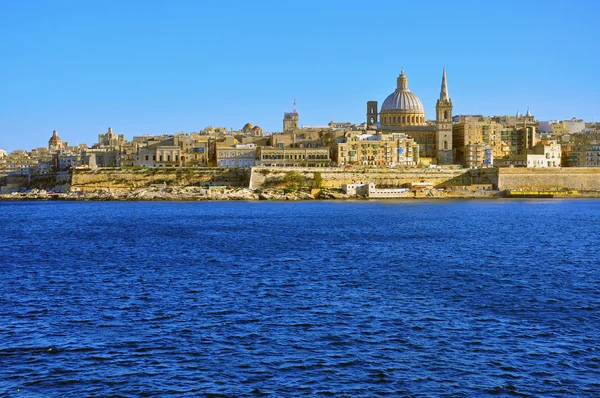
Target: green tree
(292, 180)
(318, 179)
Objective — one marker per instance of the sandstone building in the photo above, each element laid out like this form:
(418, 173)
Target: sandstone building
(403, 112)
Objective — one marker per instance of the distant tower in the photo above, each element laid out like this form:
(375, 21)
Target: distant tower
(443, 119)
(529, 117)
(290, 120)
(372, 115)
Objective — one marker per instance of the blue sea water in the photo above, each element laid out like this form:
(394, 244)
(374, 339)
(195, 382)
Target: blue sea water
(412, 298)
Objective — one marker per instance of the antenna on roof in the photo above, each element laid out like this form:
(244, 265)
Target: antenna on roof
(294, 111)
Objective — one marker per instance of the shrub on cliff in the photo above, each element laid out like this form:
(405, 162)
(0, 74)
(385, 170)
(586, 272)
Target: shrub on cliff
(317, 179)
(292, 180)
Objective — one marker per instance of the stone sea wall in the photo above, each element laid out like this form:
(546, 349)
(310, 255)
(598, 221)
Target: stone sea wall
(114, 178)
(264, 177)
(60, 181)
(572, 178)
(86, 180)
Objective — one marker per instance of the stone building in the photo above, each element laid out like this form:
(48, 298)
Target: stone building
(299, 139)
(478, 155)
(17, 162)
(101, 157)
(543, 154)
(55, 143)
(240, 155)
(290, 121)
(128, 152)
(381, 149)
(572, 126)
(475, 136)
(168, 155)
(517, 120)
(583, 155)
(161, 154)
(294, 157)
(403, 112)
(197, 155)
(110, 139)
(254, 131)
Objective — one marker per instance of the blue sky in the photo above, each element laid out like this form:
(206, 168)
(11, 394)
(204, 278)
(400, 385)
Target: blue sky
(152, 67)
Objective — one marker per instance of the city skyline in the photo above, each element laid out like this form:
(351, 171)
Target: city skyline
(79, 68)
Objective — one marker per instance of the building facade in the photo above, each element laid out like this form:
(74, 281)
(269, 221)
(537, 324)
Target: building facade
(294, 157)
(403, 112)
(382, 149)
(290, 121)
(241, 155)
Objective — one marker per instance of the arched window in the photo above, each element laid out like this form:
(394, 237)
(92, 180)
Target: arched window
(445, 115)
(445, 145)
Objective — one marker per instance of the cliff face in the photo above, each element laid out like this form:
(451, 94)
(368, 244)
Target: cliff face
(262, 177)
(273, 177)
(60, 182)
(336, 177)
(125, 179)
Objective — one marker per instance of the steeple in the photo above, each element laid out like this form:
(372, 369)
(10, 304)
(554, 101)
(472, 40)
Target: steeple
(444, 90)
(443, 133)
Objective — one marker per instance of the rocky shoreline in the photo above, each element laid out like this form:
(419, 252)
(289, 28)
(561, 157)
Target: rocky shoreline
(191, 194)
(175, 194)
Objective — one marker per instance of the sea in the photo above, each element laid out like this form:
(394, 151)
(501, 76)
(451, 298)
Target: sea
(412, 298)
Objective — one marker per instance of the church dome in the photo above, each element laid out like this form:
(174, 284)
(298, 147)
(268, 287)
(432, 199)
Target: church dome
(402, 99)
(247, 127)
(55, 138)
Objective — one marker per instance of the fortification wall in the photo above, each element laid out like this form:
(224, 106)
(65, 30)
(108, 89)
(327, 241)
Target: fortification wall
(114, 178)
(573, 178)
(265, 177)
(59, 181)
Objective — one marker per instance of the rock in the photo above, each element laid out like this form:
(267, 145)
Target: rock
(336, 195)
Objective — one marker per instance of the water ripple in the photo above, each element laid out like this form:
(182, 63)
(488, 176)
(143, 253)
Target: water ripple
(461, 299)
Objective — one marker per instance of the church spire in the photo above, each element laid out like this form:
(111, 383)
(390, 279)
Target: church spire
(444, 90)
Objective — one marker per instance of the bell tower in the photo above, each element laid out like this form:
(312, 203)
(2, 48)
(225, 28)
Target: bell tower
(443, 119)
(372, 115)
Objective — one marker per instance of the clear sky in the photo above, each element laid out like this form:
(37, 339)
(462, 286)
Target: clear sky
(152, 67)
